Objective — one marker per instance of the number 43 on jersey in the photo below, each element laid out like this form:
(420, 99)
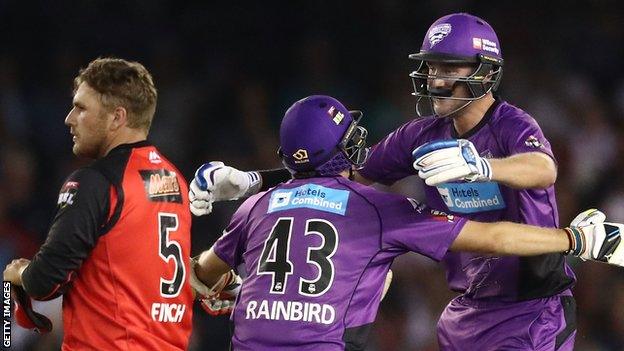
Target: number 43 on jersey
(276, 252)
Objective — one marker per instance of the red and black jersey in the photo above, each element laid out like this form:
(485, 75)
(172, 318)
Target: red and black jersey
(117, 249)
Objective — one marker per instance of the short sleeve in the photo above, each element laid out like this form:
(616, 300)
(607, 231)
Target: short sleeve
(523, 134)
(230, 247)
(391, 159)
(412, 226)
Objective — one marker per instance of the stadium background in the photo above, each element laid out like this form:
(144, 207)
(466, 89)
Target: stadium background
(226, 73)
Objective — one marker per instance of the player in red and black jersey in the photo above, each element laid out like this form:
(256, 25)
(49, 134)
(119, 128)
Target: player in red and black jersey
(116, 247)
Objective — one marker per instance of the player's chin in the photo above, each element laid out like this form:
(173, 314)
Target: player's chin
(82, 151)
(441, 108)
(444, 107)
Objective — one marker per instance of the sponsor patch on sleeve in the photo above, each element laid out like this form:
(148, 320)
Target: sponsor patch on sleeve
(311, 196)
(441, 216)
(68, 194)
(532, 141)
(161, 185)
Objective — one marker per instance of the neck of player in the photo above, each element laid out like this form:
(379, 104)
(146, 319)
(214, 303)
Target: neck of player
(124, 136)
(468, 117)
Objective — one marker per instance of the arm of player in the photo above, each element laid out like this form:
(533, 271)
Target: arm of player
(530, 170)
(506, 238)
(25, 316)
(13, 271)
(83, 209)
(209, 268)
(457, 159)
(214, 181)
(592, 239)
(215, 283)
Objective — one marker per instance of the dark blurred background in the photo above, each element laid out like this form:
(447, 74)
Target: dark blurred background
(227, 71)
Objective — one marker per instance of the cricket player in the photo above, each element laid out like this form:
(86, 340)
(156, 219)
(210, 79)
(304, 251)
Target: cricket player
(115, 248)
(481, 158)
(317, 248)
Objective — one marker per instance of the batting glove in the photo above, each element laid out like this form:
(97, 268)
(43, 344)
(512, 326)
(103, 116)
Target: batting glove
(221, 297)
(596, 240)
(450, 160)
(215, 181)
(588, 217)
(25, 316)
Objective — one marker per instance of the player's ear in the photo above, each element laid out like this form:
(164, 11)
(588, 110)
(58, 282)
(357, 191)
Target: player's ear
(120, 117)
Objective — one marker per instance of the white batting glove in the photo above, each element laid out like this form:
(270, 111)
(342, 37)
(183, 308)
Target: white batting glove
(597, 242)
(588, 217)
(450, 160)
(214, 181)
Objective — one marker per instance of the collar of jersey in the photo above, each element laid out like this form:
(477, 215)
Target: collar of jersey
(138, 144)
(486, 118)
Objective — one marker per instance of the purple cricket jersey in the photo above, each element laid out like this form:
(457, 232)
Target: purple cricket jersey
(505, 130)
(316, 252)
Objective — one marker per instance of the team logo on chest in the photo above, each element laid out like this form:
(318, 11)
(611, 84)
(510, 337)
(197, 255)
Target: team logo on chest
(161, 185)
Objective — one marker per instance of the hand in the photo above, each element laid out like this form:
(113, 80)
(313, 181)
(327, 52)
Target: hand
(218, 299)
(450, 160)
(588, 217)
(223, 302)
(13, 271)
(215, 181)
(216, 307)
(597, 242)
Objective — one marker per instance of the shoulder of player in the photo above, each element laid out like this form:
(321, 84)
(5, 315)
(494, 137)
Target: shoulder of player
(510, 115)
(371, 195)
(158, 156)
(86, 177)
(420, 124)
(250, 203)
(90, 185)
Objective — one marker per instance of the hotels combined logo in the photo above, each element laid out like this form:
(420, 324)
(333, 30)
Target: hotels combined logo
(310, 196)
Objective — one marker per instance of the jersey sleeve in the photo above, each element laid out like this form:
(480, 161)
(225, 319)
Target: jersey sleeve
(525, 135)
(391, 159)
(230, 247)
(83, 206)
(411, 226)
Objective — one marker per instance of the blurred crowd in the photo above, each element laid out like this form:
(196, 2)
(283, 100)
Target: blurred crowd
(226, 73)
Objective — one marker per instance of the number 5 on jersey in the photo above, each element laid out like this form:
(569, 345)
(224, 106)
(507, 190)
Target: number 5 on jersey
(276, 252)
(168, 249)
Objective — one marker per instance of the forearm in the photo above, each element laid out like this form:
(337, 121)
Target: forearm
(49, 273)
(506, 238)
(210, 268)
(273, 177)
(532, 170)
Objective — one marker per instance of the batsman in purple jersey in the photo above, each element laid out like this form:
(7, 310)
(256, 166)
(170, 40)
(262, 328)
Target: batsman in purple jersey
(504, 131)
(317, 248)
(317, 252)
(488, 161)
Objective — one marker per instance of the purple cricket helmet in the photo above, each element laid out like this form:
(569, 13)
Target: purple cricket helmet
(459, 38)
(320, 137)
